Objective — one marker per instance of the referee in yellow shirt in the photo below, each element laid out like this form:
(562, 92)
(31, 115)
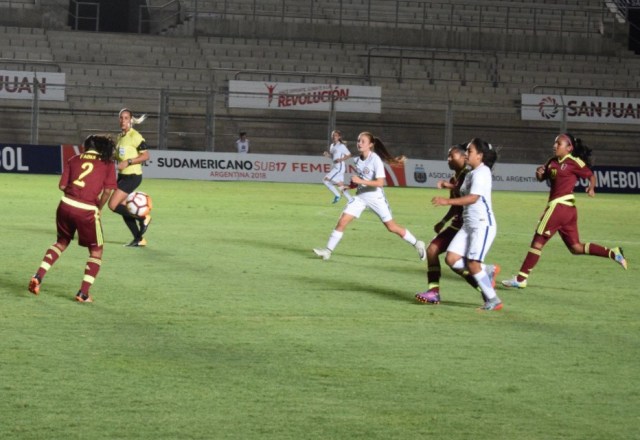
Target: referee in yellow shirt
(131, 152)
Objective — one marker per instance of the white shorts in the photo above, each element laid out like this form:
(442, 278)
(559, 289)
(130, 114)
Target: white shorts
(473, 243)
(375, 201)
(336, 175)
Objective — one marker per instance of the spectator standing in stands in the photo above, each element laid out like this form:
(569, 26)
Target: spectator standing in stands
(570, 162)
(339, 154)
(471, 244)
(369, 180)
(87, 181)
(131, 152)
(242, 143)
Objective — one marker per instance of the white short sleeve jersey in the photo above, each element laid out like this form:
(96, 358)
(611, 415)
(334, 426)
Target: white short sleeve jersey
(478, 182)
(338, 151)
(242, 146)
(371, 168)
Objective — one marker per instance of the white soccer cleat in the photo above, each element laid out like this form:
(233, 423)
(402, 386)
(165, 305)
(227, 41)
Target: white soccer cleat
(422, 249)
(324, 253)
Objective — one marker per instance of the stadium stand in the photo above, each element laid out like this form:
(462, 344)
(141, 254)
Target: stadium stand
(448, 71)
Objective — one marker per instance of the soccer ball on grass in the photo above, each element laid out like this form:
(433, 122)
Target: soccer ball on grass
(139, 203)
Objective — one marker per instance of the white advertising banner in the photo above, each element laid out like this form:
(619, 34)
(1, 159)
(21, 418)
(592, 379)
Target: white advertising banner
(50, 86)
(594, 109)
(311, 169)
(506, 176)
(304, 96)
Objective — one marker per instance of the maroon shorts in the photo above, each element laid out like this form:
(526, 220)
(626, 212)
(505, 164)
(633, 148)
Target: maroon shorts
(70, 219)
(443, 238)
(562, 219)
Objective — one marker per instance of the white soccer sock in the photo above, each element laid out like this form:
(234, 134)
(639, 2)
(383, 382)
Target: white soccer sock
(348, 196)
(334, 239)
(331, 187)
(485, 284)
(409, 238)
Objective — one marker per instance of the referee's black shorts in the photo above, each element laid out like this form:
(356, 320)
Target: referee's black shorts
(129, 182)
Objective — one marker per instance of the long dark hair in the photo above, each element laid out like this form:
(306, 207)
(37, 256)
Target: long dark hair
(580, 150)
(381, 150)
(102, 144)
(489, 154)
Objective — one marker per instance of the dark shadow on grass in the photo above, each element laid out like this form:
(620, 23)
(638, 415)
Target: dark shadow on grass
(338, 285)
(345, 285)
(341, 285)
(465, 305)
(123, 244)
(377, 257)
(308, 252)
(21, 289)
(152, 249)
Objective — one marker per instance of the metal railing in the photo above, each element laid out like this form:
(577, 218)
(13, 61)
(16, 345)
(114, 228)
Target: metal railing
(397, 14)
(626, 8)
(193, 120)
(155, 19)
(84, 15)
(397, 57)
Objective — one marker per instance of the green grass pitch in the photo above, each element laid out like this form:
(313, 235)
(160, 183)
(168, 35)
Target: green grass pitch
(228, 327)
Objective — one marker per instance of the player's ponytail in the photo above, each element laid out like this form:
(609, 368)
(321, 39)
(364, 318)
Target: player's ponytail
(134, 120)
(580, 150)
(381, 150)
(489, 153)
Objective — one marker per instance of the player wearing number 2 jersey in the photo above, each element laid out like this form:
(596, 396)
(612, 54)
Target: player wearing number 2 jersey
(88, 180)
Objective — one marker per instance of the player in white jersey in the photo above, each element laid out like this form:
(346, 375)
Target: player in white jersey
(471, 244)
(370, 179)
(339, 154)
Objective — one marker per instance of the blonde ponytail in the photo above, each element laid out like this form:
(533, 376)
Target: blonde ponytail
(134, 120)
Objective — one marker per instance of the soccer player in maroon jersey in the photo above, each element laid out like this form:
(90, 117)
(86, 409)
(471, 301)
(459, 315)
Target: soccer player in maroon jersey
(569, 163)
(456, 160)
(88, 180)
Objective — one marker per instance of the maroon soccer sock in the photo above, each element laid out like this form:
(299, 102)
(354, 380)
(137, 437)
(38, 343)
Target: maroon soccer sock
(529, 263)
(90, 273)
(599, 251)
(50, 257)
